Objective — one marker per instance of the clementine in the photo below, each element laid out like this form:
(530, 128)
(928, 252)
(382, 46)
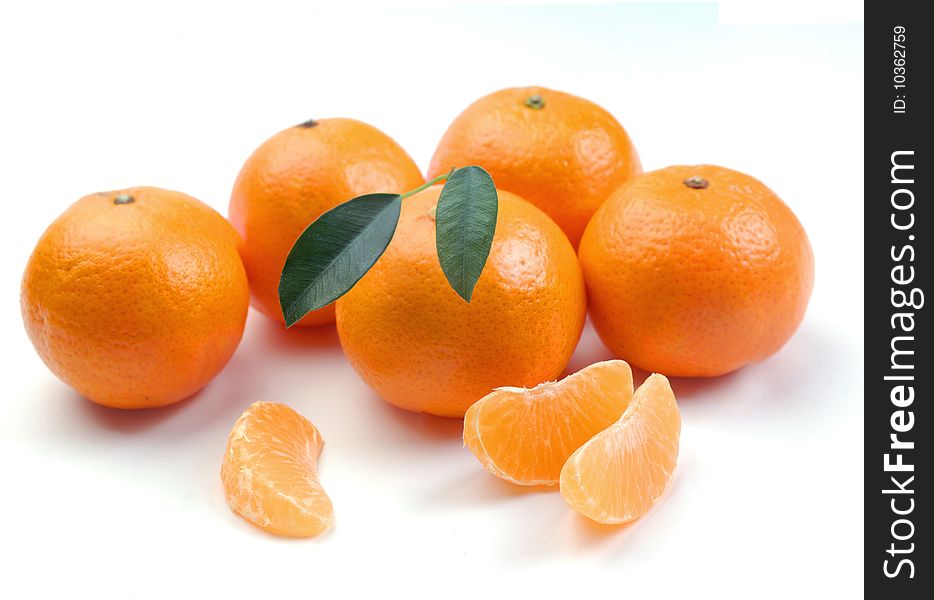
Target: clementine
(696, 271)
(560, 152)
(423, 348)
(296, 176)
(136, 298)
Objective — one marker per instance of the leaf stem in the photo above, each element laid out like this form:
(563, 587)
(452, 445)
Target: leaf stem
(427, 184)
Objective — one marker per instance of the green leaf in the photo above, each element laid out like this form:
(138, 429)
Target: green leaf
(466, 221)
(335, 251)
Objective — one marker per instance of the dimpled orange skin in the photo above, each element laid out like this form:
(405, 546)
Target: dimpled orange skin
(423, 348)
(136, 305)
(296, 176)
(565, 157)
(696, 282)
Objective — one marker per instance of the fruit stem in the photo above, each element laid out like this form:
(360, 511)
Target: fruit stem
(308, 124)
(427, 184)
(696, 182)
(535, 101)
(124, 199)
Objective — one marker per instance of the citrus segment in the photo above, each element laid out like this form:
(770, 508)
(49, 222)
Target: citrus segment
(622, 471)
(270, 473)
(526, 435)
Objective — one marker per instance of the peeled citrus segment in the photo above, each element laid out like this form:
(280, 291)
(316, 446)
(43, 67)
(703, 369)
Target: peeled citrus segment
(526, 435)
(618, 475)
(270, 472)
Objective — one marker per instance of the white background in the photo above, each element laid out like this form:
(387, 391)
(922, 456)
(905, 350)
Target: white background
(767, 499)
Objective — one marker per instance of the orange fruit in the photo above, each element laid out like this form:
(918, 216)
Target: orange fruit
(293, 178)
(423, 348)
(622, 471)
(695, 271)
(526, 435)
(270, 472)
(562, 153)
(136, 298)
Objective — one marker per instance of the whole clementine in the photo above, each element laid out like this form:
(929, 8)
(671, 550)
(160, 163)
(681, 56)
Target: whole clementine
(292, 179)
(136, 298)
(560, 152)
(423, 348)
(696, 271)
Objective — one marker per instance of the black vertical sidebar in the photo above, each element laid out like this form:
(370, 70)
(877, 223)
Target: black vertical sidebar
(898, 366)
